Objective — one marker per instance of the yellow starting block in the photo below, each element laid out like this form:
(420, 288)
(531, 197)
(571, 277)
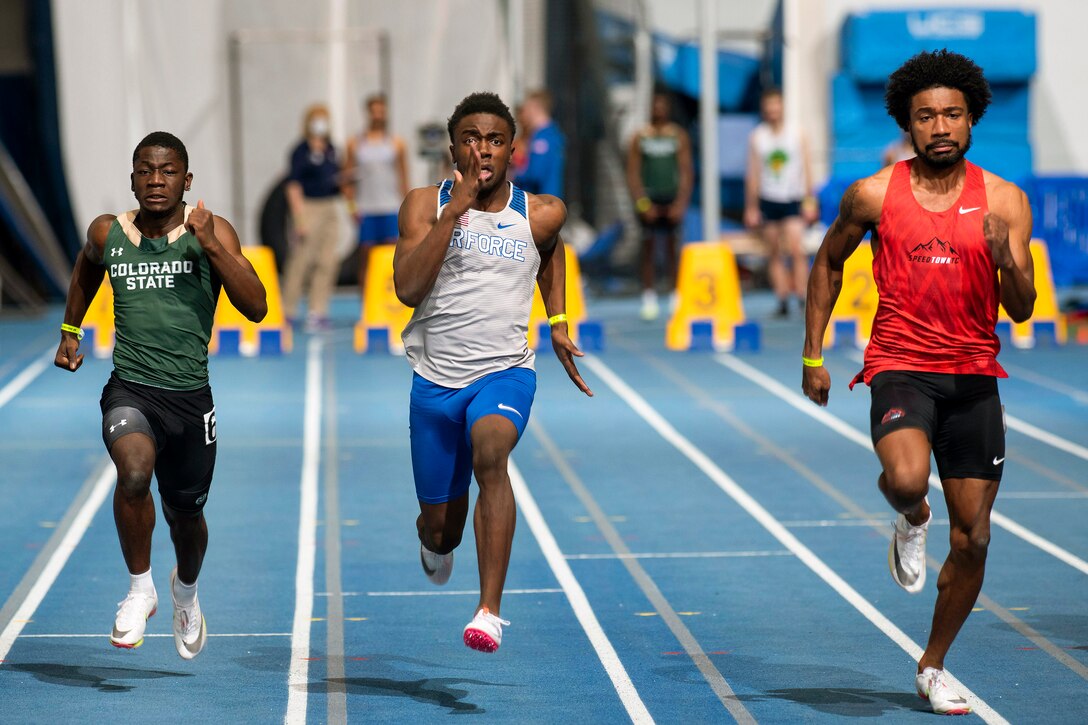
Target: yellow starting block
(98, 325)
(856, 307)
(586, 334)
(709, 314)
(232, 333)
(1046, 319)
(384, 316)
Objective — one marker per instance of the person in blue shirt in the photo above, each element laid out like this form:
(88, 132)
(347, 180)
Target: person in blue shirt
(314, 197)
(544, 171)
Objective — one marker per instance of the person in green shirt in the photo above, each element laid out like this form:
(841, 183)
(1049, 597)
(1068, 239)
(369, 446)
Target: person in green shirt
(660, 176)
(167, 262)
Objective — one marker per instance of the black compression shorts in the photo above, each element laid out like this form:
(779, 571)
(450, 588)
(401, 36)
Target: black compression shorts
(182, 425)
(961, 415)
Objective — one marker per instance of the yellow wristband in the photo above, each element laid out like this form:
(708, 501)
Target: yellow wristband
(77, 331)
(643, 205)
(810, 363)
(556, 319)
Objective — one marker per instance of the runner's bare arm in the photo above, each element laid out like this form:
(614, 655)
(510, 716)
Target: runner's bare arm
(858, 212)
(87, 277)
(220, 244)
(1007, 229)
(548, 214)
(424, 240)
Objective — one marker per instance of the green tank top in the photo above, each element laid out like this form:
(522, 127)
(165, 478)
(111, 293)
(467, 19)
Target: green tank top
(164, 295)
(660, 166)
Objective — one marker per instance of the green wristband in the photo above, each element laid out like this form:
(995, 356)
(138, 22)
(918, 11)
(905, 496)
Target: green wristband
(812, 363)
(77, 331)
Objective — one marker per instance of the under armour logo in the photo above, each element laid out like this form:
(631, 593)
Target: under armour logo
(116, 252)
(124, 421)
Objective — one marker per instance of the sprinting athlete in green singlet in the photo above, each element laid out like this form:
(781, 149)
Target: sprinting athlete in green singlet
(166, 262)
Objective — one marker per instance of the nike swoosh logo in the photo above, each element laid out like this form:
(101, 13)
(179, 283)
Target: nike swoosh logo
(512, 410)
(968, 211)
(997, 461)
(506, 226)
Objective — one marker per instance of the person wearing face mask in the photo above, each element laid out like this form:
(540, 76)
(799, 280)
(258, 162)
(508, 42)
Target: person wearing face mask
(313, 196)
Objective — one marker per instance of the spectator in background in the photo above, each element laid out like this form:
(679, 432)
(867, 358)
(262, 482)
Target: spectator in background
(376, 177)
(543, 172)
(778, 197)
(660, 178)
(519, 156)
(313, 196)
(899, 150)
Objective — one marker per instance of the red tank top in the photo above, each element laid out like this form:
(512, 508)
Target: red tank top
(937, 282)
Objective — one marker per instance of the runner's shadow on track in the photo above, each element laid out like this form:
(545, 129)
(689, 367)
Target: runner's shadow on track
(438, 691)
(847, 701)
(823, 695)
(103, 679)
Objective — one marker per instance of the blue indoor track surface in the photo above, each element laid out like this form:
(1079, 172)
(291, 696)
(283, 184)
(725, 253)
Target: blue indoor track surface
(695, 543)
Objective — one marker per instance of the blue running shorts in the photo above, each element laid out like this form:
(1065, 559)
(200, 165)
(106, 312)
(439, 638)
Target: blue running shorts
(441, 421)
(378, 229)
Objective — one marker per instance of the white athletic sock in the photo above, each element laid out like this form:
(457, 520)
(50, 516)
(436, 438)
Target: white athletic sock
(184, 594)
(142, 583)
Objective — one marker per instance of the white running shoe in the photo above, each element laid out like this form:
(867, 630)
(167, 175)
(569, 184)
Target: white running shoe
(484, 632)
(190, 629)
(132, 614)
(907, 554)
(437, 567)
(650, 307)
(931, 685)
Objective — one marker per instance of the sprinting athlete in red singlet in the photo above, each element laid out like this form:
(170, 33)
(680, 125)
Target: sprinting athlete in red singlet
(950, 241)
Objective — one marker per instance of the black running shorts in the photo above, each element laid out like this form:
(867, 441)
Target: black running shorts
(182, 425)
(961, 415)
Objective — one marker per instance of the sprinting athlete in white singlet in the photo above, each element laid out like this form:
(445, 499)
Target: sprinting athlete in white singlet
(470, 253)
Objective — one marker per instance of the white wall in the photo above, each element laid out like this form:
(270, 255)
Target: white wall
(128, 67)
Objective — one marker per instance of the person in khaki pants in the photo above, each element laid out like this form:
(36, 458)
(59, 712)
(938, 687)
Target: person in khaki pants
(313, 195)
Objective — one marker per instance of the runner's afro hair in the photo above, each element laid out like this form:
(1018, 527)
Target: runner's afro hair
(482, 102)
(939, 69)
(162, 139)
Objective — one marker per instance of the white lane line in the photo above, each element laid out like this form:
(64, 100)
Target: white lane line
(26, 377)
(445, 593)
(775, 528)
(636, 709)
(803, 404)
(1025, 428)
(1044, 381)
(101, 488)
(1055, 441)
(885, 523)
(298, 673)
(681, 555)
(106, 634)
(1044, 495)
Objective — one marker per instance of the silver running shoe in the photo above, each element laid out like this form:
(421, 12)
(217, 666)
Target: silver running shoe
(132, 614)
(932, 685)
(907, 554)
(190, 629)
(437, 567)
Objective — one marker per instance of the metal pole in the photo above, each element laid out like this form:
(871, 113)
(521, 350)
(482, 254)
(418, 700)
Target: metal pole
(238, 156)
(644, 66)
(338, 66)
(708, 119)
(515, 45)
